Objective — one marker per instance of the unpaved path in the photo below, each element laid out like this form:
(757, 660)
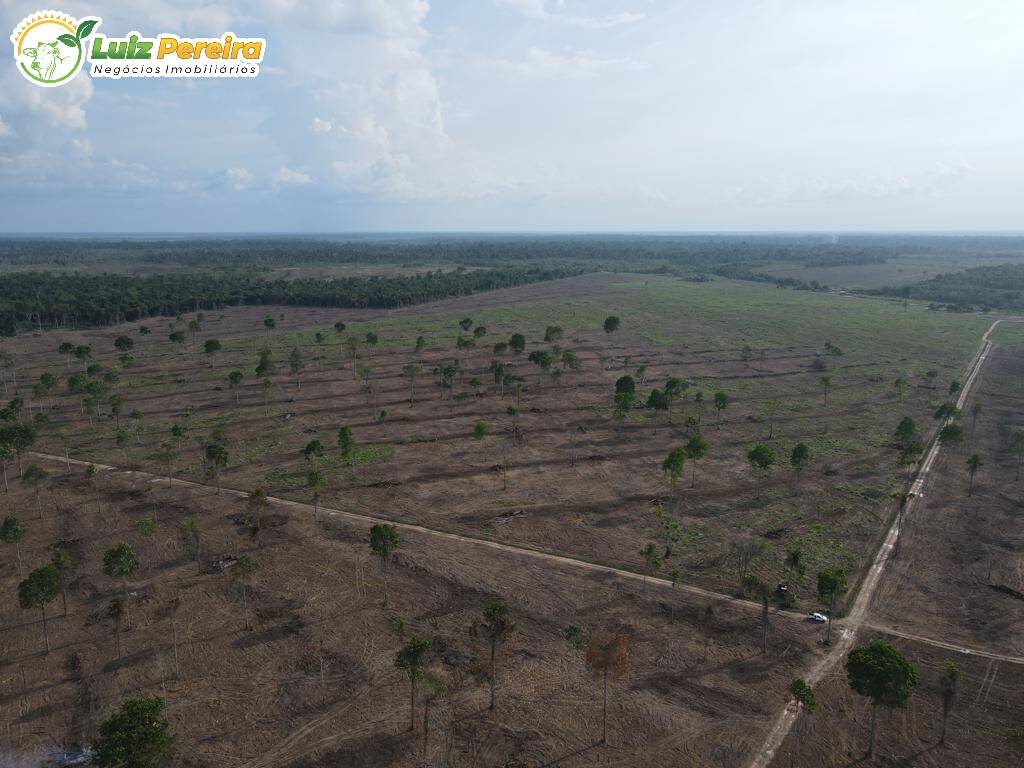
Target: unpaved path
(516, 549)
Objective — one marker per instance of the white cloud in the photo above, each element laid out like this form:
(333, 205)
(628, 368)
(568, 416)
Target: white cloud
(239, 178)
(538, 9)
(578, 65)
(321, 126)
(289, 178)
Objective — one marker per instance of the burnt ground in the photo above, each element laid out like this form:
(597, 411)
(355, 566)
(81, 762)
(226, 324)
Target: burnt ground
(313, 683)
(957, 579)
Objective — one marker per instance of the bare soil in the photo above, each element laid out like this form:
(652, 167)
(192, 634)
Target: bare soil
(313, 683)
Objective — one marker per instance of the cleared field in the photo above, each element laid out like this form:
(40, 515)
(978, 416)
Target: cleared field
(313, 683)
(901, 270)
(579, 481)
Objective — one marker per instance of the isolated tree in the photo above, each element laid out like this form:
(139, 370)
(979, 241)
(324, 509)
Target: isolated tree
(60, 558)
(949, 685)
(906, 431)
(652, 560)
(799, 458)
(517, 343)
(166, 455)
(41, 586)
(657, 401)
(721, 403)
(216, 460)
(607, 656)
(672, 467)
(265, 366)
(879, 672)
(412, 660)
(771, 407)
(177, 337)
(242, 573)
(34, 476)
(803, 695)
(411, 372)
(120, 563)
(20, 437)
(696, 448)
(901, 387)
(256, 504)
(346, 442)
(951, 434)
(6, 454)
(136, 735)
(496, 628)
(947, 410)
(744, 550)
(481, 430)
(234, 381)
(13, 532)
(295, 365)
(384, 541)
(611, 324)
(371, 339)
(826, 386)
(191, 538)
(831, 585)
(421, 343)
(761, 458)
(270, 324)
(624, 402)
(83, 352)
(315, 480)
(466, 323)
(210, 348)
(314, 449)
(116, 613)
(973, 465)
(954, 387)
(573, 636)
(66, 348)
(339, 327)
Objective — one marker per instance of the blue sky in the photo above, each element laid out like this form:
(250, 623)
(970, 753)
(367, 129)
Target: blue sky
(535, 115)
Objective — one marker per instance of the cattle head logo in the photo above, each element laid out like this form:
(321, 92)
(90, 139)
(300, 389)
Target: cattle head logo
(49, 46)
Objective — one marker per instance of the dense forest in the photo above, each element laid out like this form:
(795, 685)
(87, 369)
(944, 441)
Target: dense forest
(697, 252)
(35, 299)
(997, 287)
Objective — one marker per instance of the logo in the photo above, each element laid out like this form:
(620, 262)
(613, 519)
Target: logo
(48, 47)
(51, 47)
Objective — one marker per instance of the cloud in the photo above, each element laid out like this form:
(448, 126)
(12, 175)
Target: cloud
(884, 184)
(538, 9)
(239, 178)
(286, 177)
(579, 65)
(321, 126)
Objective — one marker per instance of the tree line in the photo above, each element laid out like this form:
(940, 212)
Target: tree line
(38, 299)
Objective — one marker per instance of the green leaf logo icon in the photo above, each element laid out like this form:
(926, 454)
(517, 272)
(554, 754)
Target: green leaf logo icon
(85, 28)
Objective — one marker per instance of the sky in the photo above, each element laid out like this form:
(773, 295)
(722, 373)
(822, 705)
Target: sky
(534, 115)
